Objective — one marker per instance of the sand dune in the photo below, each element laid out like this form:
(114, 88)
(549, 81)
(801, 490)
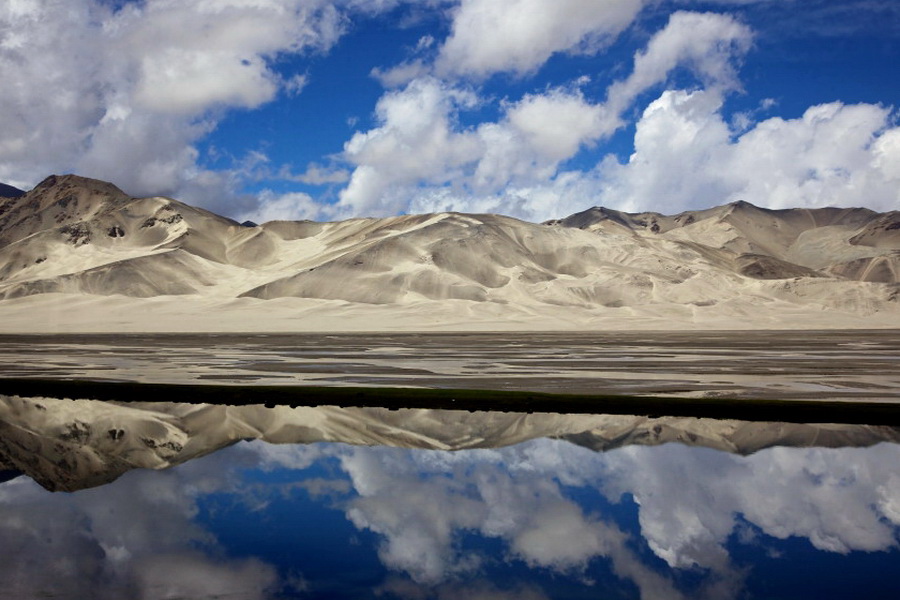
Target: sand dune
(76, 444)
(75, 242)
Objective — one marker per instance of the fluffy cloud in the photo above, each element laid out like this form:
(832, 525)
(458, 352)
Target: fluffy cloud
(518, 36)
(419, 520)
(417, 141)
(193, 575)
(134, 538)
(687, 157)
(292, 206)
(139, 537)
(839, 500)
(420, 159)
(126, 94)
(707, 44)
(214, 53)
(126, 91)
(534, 136)
(420, 143)
(499, 494)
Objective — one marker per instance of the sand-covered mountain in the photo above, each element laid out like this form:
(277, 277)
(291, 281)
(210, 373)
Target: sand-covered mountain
(852, 243)
(72, 242)
(76, 444)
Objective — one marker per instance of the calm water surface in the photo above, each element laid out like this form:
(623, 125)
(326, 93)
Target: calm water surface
(544, 518)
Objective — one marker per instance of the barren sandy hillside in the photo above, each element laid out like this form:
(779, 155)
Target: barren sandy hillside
(81, 255)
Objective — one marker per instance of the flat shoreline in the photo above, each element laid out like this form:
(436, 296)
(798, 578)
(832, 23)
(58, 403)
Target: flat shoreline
(788, 411)
(77, 313)
(803, 366)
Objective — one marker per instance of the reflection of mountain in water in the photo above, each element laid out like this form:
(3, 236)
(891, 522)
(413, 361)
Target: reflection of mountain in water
(76, 444)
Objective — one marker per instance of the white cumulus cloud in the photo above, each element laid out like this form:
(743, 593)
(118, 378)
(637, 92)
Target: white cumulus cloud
(706, 43)
(417, 140)
(420, 158)
(125, 95)
(686, 157)
(518, 36)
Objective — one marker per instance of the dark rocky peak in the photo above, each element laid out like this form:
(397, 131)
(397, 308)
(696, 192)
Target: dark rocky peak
(744, 205)
(8, 191)
(57, 184)
(586, 218)
(742, 208)
(641, 222)
(74, 197)
(58, 201)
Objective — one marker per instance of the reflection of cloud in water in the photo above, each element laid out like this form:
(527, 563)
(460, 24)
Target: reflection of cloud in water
(134, 539)
(840, 500)
(421, 502)
(689, 504)
(140, 536)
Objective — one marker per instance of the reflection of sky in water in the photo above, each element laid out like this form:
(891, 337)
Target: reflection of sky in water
(544, 519)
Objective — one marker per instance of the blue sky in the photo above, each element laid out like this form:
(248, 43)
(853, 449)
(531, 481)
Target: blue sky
(268, 109)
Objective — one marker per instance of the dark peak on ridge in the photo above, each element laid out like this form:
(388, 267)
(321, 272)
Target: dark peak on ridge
(58, 201)
(652, 222)
(70, 181)
(741, 204)
(8, 191)
(741, 209)
(826, 214)
(592, 215)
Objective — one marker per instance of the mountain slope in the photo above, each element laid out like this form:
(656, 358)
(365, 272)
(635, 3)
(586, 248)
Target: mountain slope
(8, 191)
(79, 238)
(772, 244)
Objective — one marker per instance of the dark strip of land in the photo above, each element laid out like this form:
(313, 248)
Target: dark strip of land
(793, 411)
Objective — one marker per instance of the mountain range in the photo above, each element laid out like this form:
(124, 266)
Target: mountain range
(79, 254)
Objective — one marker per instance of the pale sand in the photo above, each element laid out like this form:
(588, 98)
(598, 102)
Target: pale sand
(79, 313)
(78, 255)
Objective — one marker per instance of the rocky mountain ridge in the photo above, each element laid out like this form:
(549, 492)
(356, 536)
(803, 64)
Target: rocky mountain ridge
(854, 243)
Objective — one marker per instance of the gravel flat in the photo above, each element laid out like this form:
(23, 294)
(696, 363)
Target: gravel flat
(788, 365)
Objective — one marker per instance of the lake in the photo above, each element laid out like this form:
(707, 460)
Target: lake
(177, 500)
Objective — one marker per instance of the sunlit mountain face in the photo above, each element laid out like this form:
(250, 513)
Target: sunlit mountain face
(547, 517)
(80, 255)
